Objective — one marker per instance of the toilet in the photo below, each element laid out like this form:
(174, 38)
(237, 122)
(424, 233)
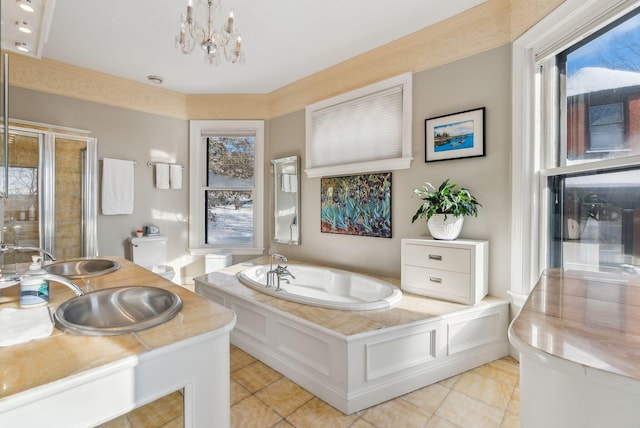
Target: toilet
(150, 252)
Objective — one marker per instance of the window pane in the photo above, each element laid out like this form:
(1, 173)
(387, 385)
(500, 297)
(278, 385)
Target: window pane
(229, 217)
(596, 221)
(230, 161)
(602, 88)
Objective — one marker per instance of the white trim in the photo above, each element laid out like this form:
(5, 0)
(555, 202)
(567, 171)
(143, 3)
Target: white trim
(569, 22)
(197, 180)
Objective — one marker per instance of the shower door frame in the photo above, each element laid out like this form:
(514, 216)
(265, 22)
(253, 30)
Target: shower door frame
(47, 180)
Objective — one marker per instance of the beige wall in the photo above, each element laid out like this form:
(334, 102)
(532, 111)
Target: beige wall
(124, 134)
(479, 81)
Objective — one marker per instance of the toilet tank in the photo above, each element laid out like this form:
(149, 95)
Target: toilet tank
(149, 250)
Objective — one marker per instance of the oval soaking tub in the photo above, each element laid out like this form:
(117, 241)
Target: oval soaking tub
(326, 287)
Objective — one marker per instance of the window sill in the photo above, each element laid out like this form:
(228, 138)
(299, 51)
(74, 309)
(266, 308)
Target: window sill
(234, 251)
(360, 167)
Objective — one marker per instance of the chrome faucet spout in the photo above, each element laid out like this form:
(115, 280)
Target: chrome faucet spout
(4, 248)
(62, 280)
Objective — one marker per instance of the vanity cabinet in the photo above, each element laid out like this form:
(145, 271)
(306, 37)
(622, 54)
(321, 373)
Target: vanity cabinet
(450, 270)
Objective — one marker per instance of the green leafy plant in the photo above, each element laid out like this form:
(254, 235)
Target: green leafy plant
(446, 199)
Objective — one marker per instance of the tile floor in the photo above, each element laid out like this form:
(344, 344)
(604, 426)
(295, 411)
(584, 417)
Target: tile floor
(485, 397)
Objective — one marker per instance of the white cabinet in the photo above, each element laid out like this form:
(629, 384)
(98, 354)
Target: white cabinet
(450, 270)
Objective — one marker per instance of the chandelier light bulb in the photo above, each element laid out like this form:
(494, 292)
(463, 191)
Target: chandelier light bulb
(26, 5)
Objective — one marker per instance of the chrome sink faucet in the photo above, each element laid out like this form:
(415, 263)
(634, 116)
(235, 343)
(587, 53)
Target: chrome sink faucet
(4, 248)
(274, 276)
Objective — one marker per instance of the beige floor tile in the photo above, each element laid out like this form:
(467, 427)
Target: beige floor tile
(119, 422)
(396, 413)
(238, 392)
(284, 396)
(283, 424)
(468, 412)
(159, 412)
(514, 403)
(428, 398)
(240, 359)
(510, 421)
(255, 376)
(497, 373)
(438, 422)
(361, 423)
(485, 389)
(176, 423)
(449, 382)
(318, 414)
(252, 413)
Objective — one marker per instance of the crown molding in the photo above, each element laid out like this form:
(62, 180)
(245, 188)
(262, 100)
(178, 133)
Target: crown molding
(489, 25)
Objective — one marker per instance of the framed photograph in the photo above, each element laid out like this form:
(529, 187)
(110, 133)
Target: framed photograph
(454, 136)
(356, 205)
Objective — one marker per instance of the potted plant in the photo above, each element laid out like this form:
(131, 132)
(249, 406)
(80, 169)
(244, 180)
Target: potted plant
(444, 208)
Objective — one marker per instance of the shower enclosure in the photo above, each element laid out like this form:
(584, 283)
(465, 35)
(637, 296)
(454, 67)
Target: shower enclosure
(51, 184)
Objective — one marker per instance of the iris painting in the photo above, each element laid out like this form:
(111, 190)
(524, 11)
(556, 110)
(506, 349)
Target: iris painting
(356, 205)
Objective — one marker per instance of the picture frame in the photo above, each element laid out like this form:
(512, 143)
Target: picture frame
(356, 205)
(455, 136)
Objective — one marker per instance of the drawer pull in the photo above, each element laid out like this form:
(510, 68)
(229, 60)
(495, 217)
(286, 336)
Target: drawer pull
(435, 257)
(435, 279)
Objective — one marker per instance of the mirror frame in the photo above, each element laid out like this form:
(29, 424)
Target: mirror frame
(279, 195)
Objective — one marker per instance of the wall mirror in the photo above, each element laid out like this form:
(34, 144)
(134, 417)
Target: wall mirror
(286, 200)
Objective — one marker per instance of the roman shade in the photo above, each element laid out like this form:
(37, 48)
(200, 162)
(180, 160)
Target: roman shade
(368, 129)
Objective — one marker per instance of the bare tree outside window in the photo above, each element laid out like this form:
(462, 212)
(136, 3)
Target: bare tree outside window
(230, 182)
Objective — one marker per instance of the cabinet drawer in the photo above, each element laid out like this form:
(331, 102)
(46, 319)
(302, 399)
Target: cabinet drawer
(436, 283)
(433, 257)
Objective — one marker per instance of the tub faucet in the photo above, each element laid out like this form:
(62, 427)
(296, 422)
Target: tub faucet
(274, 276)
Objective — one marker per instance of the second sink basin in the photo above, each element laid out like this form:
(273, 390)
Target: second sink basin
(82, 268)
(117, 310)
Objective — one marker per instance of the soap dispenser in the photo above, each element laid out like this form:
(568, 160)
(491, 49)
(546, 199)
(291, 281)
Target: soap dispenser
(34, 287)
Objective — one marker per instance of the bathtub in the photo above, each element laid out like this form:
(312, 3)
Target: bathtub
(326, 287)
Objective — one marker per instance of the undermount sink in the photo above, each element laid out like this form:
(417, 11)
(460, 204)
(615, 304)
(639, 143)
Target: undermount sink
(117, 310)
(82, 268)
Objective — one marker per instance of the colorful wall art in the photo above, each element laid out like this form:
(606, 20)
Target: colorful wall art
(357, 205)
(454, 136)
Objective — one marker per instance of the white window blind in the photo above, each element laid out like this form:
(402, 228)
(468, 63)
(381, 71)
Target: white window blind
(364, 130)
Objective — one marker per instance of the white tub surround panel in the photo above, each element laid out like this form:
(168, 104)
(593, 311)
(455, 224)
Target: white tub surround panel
(356, 359)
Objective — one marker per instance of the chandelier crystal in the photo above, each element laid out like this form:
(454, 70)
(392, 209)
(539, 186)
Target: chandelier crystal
(211, 40)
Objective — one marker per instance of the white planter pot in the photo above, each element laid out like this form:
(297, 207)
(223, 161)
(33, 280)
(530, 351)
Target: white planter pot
(446, 229)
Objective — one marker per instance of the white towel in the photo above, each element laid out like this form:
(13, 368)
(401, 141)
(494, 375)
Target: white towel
(175, 176)
(117, 186)
(286, 183)
(289, 183)
(162, 176)
(23, 325)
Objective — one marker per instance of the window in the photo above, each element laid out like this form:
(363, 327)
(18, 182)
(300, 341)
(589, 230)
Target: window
(576, 109)
(226, 187)
(592, 211)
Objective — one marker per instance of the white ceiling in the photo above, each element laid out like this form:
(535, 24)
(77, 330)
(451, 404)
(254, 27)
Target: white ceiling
(284, 40)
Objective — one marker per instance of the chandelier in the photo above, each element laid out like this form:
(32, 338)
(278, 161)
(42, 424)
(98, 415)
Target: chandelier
(211, 40)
